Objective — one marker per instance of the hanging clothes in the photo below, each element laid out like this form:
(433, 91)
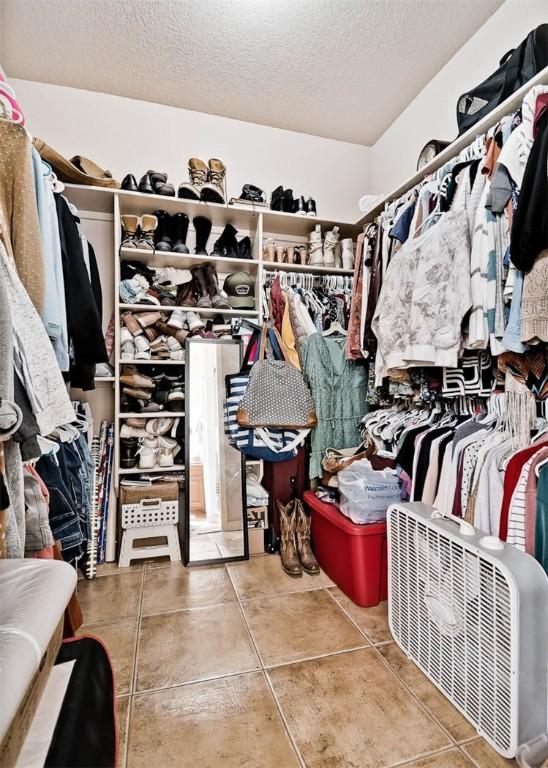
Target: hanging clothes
(82, 298)
(339, 390)
(19, 227)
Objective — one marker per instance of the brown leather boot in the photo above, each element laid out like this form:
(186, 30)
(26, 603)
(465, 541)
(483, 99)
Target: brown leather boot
(302, 534)
(288, 550)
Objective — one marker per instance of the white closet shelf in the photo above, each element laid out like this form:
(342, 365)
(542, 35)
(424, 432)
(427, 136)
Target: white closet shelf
(152, 362)
(101, 199)
(186, 260)
(313, 269)
(104, 379)
(155, 470)
(152, 415)
(198, 310)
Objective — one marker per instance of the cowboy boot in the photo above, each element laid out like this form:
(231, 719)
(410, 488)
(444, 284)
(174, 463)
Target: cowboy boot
(316, 247)
(218, 300)
(197, 171)
(288, 550)
(203, 230)
(186, 294)
(302, 534)
(213, 191)
(200, 280)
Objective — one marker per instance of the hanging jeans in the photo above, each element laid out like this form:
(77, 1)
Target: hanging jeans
(64, 519)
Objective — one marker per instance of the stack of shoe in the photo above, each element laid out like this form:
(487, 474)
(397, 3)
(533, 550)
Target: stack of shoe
(207, 182)
(147, 442)
(283, 200)
(142, 338)
(152, 183)
(142, 393)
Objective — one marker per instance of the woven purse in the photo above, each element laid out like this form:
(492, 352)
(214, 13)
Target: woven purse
(276, 395)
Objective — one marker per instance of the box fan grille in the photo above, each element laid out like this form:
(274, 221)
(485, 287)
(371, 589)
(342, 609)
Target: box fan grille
(451, 611)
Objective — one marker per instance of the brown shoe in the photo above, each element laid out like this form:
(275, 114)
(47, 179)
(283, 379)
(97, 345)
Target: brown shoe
(178, 333)
(138, 394)
(132, 378)
(302, 533)
(130, 321)
(147, 318)
(151, 333)
(288, 550)
(77, 170)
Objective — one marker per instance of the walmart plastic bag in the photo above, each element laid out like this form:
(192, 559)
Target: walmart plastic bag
(366, 493)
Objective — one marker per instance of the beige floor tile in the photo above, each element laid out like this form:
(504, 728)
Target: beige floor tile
(105, 569)
(110, 597)
(262, 576)
(373, 621)
(349, 709)
(298, 626)
(122, 716)
(324, 580)
(187, 646)
(119, 638)
(230, 723)
(442, 709)
(450, 759)
(174, 587)
(484, 756)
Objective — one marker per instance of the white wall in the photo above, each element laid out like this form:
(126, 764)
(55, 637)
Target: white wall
(130, 136)
(432, 114)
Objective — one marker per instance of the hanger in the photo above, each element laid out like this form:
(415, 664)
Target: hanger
(335, 327)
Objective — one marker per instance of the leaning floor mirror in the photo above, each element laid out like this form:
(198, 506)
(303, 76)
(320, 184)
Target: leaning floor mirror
(215, 527)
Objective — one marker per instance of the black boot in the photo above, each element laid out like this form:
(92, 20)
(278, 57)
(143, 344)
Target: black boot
(276, 199)
(227, 245)
(162, 237)
(128, 452)
(179, 228)
(200, 277)
(203, 230)
(288, 201)
(244, 248)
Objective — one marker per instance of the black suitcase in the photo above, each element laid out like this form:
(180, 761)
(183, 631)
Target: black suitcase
(516, 68)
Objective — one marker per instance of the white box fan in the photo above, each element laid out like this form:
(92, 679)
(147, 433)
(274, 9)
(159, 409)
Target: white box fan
(472, 613)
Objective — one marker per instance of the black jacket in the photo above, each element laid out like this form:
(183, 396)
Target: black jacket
(530, 222)
(83, 301)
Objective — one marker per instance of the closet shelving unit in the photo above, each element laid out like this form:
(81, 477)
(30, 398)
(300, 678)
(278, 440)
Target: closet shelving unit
(257, 223)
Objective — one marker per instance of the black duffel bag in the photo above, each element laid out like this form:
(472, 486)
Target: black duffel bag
(516, 68)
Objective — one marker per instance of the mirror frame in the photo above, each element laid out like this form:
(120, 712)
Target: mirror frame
(186, 523)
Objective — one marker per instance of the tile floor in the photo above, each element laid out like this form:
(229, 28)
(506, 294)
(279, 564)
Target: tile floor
(242, 666)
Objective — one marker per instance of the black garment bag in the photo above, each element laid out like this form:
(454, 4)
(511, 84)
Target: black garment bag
(516, 68)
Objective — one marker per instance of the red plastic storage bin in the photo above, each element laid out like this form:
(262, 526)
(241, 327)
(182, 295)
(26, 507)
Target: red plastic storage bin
(353, 556)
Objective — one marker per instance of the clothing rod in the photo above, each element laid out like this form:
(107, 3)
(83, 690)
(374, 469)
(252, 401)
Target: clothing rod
(483, 125)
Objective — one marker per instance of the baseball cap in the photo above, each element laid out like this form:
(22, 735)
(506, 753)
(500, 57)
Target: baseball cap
(240, 289)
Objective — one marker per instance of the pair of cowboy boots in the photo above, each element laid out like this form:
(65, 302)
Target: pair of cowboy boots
(295, 550)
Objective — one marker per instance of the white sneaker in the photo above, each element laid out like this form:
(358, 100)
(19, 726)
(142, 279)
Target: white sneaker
(177, 319)
(147, 453)
(127, 351)
(159, 426)
(127, 431)
(142, 348)
(166, 450)
(194, 321)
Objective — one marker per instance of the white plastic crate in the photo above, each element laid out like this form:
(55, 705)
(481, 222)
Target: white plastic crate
(148, 512)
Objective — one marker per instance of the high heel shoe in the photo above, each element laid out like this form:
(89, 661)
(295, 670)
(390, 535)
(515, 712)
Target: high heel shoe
(269, 249)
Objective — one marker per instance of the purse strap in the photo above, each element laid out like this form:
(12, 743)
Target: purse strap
(253, 340)
(272, 329)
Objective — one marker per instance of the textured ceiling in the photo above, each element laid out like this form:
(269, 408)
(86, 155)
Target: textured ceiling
(343, 69)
